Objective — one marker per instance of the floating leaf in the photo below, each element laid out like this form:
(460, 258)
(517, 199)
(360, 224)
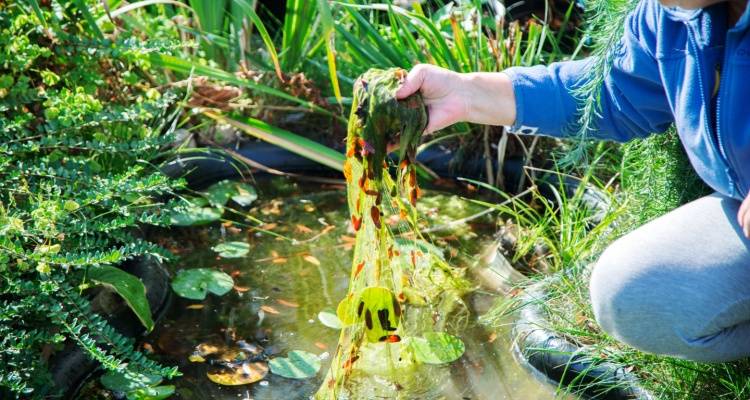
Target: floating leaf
(297, 364)
(312, 260)
(242, 374)
(232, 249)
(287, 303)
(245, 196)
(151, 393)
(128, 381)
(195, 283)
(269, 309)
(129, 287)
(219, 193)
(437, 348)
(330, 320)
(189, 216)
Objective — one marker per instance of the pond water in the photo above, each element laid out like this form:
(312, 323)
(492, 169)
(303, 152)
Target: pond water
(282, 285)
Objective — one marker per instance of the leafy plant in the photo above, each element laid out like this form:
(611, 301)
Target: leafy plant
(81, 123)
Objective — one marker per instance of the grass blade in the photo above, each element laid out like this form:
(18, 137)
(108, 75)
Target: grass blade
(258, 23)
(296, 144)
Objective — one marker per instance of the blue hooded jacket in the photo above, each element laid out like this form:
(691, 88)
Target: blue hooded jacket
(686, 67)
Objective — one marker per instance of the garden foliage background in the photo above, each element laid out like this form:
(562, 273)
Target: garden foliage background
(95, 95)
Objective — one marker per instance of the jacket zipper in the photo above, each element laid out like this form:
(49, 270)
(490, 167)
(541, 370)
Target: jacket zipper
(715, 133)
(723, 79)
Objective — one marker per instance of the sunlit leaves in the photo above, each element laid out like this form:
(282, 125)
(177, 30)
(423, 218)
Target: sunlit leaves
(297, 364)
(195, 283)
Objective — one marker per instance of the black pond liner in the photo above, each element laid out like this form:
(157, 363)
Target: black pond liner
(71, 368)
(554, 358)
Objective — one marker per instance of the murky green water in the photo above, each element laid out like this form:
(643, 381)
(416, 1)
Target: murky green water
(282, 285)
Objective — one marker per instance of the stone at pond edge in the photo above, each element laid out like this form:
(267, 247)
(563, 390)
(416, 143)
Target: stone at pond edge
(297, 364)
(242, 374)
(195, 283)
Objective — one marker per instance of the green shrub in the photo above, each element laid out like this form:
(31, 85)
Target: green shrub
(80, 125)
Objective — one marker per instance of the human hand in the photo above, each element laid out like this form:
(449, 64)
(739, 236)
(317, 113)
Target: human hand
(743, 216)
(483, 98)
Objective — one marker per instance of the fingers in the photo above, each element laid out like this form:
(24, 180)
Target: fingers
(413, 82)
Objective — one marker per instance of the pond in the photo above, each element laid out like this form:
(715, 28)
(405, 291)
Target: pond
(285, 281)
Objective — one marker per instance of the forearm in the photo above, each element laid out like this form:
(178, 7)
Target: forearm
(489, 98)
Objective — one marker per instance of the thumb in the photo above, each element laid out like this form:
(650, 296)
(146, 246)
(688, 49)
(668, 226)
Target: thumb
(437, 120)
(412, 83)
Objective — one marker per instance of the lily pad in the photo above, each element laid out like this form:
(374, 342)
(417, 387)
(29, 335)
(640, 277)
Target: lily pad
(219, 193)
(330, 320)
(128, 381)
(151, 393)
(195, 215)
(242, 374)
(232, 249)
(195, 283)
(437, 348)
(297, 364)
(245, 196)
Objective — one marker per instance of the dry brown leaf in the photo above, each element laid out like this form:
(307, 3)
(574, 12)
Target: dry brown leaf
(492, 338)
(241, 289)
(279, 260)
(195, 307)
(243, 374)
(321, 346)
(311, 259)
(287, 303)
(303, 229)
(269, 309)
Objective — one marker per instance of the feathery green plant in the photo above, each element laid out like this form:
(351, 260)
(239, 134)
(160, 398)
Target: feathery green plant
(605, 28)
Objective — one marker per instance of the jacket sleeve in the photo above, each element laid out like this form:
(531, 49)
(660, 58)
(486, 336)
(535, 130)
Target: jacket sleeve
(633, 99)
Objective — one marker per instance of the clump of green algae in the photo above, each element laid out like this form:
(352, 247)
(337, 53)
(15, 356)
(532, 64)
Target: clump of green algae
(402, 294)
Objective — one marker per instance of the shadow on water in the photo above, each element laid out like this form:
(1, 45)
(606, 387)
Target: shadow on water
(281, 286)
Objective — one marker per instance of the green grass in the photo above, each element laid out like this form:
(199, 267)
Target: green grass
(654, 178)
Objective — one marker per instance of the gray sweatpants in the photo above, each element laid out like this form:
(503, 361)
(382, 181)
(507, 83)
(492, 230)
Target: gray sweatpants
(679, 285)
